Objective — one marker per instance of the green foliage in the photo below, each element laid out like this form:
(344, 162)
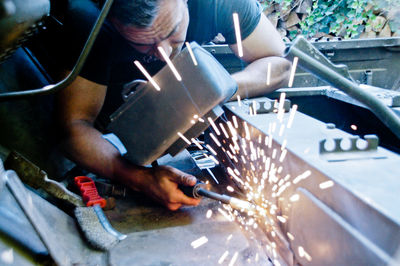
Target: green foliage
(342, 18)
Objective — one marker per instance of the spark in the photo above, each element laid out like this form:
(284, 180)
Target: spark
(294, 197)
(273, 153)
(291, 237)
(223, 257)
(211, 149)
(270, 141)
(255, 107)
(232, 130)
(229, 218)
(238, 100)
(246, 128)
(208, 214)
(7, 256)
(215, 140)
(231, 172)
(303, 253)
(302, 176)
(238, 35)
(283, 155)
(284, 143)
(147, 75)
(196, 143)
(235, 123)
(236, 171)
(276, 262)
(223, 130)
(199, 242)
(191, 53)
(353, 127)
(281, 130)
(192, 121)
(273, 127)
(184, 138)
(291, 116)
(269, 74)
(234, 258)
(232, 149)
(229, 237)
(212, 158)
(230, 189)
(281, 219)
(294, 66)
(326, 184)
(214, 126)
(201, 120)
(196, 116)
(169, 62)
(251, 111)
(281, 110)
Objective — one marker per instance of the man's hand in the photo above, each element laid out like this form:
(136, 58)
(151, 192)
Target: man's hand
(161, 184)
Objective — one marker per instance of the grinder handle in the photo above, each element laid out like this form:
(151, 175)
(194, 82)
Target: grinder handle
(191, 191)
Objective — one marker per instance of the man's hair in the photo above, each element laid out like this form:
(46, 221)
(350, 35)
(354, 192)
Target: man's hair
(139, 13)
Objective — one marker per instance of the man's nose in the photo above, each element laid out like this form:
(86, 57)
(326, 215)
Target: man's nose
(163, 47)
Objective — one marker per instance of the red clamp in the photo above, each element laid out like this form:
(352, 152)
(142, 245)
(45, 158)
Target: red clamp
(89, 191)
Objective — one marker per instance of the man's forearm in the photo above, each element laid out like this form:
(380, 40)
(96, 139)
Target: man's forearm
(86, 146)
(252, 81)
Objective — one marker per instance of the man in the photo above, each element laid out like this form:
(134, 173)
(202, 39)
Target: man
(133, 31)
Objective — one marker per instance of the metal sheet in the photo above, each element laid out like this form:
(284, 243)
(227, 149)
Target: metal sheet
(364, 192)
(148, 123)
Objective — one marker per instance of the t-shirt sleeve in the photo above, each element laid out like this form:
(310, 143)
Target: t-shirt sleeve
(249, 12)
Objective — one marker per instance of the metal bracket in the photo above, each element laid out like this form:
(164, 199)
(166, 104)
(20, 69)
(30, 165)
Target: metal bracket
(354, 152)
(266, 105)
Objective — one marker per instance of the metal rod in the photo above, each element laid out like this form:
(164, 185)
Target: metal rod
(52, 88)
(383, 112)
(212, 195)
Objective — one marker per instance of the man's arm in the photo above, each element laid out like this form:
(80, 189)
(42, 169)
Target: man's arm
(78, 106)
(264, 45)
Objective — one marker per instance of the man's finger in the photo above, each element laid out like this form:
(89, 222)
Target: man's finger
(183, 179)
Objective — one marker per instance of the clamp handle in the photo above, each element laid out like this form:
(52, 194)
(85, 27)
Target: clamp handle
(89, 191)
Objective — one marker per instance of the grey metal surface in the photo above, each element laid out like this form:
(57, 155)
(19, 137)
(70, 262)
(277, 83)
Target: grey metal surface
(148, 123)
(172, 246)
(364, 193)
(312, 60)
(379, 56)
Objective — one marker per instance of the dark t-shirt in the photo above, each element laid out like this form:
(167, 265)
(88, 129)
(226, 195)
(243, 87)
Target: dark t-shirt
(110, 61)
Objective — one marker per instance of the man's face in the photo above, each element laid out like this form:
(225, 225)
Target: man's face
(167, 31)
